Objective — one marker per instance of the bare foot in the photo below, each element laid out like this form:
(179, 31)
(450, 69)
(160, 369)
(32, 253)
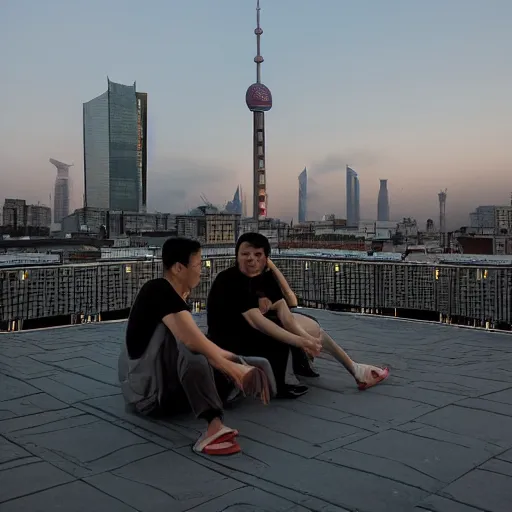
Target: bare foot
(215, 426)
(368, 376)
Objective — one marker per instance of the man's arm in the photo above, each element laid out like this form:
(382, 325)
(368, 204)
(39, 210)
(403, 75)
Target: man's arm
(184, 328)
(290, 297)
(288, 320)
(257, 321)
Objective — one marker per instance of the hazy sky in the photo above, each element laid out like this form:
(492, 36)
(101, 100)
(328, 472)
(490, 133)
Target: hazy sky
(415, 91)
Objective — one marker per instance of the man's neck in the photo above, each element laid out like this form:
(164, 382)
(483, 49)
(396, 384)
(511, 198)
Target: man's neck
(181, 290)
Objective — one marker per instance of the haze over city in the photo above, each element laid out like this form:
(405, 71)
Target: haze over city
(414, 92)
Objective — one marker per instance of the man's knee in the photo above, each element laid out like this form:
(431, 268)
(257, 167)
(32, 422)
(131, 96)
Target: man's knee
(312, 327)
(190, 364)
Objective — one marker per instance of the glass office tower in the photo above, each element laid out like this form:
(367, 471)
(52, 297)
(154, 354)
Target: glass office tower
(352, 195)
(383, 202)
(115, 153)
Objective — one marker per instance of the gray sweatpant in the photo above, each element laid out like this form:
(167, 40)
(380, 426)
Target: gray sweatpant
(169, 378)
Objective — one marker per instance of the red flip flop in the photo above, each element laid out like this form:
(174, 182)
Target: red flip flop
(221, 443)
(225, 448)
(371, 375)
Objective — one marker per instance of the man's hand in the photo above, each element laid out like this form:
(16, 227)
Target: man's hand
(312, 346)
(265, 305)
(223, 362)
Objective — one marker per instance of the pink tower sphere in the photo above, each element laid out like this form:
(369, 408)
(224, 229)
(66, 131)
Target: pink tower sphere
(258, 98)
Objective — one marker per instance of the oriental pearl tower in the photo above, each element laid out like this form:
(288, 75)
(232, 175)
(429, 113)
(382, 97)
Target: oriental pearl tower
(259, 101)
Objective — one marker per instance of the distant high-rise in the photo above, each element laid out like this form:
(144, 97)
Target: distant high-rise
(61, 195)
(235, 206)
(115, 149)
(383, 202)
(442, 211)
(303, 195)
(352, 194)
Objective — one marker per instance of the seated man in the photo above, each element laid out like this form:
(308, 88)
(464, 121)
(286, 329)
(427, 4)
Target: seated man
(365, 375)
(236, 324)
(168, 365)
(274, 294)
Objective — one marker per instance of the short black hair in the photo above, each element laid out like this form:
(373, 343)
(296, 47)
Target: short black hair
(256, 240)
(179, 250)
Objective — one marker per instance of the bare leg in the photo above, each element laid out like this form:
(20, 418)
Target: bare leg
(365, 375)
(328, 344)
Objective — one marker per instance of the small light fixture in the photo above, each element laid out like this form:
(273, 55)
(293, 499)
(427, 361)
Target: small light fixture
(24, 275)
(207, 263)
(436, 273)
(128, 269)
(336, 268)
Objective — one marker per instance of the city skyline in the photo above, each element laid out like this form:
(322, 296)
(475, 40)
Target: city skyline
(429, 114)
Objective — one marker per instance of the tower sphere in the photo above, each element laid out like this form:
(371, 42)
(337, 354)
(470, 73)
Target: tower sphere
(258, 98)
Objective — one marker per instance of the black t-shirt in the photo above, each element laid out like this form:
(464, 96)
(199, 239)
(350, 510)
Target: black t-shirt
(232, 294)
(156, 299)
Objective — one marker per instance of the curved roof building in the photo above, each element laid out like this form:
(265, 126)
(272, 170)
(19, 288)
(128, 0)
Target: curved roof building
(61, 194)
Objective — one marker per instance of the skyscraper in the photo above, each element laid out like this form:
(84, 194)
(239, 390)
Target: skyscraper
(303, 195)
(442, 211)
(383, 202)
(352, 195)
(115, 149)
(61, 195)
(235, 206)
(142, 151)
(259, 100)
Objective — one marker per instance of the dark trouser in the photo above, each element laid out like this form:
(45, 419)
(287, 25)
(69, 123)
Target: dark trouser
(193, 384)
(256, 344)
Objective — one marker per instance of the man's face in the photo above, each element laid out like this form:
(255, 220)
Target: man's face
(251, 260)
(191, 274)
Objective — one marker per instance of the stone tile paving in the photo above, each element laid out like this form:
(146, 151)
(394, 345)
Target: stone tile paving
(436, 437)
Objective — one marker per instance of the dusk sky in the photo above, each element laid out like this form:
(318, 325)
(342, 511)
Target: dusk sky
(415, 91)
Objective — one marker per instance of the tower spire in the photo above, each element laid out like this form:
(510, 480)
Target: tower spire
(258, 31)
(259, 100)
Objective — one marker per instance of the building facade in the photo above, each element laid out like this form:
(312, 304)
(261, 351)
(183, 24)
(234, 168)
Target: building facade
(303, 196)
(20, 218)
(115, 149)
(110, 224)
(352, 198)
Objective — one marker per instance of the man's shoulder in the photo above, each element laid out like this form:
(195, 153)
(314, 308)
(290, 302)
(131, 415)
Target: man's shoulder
(154, 286)
(227, 274)
(225, 281)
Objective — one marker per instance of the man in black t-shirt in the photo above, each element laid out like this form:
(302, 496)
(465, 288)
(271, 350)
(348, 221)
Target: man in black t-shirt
(236, 323)
(167, 363)
(248, 313)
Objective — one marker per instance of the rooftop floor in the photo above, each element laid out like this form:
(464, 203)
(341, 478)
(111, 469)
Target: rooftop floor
(437, 436)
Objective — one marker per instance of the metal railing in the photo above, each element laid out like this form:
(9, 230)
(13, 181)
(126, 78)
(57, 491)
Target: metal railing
(475, 295)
